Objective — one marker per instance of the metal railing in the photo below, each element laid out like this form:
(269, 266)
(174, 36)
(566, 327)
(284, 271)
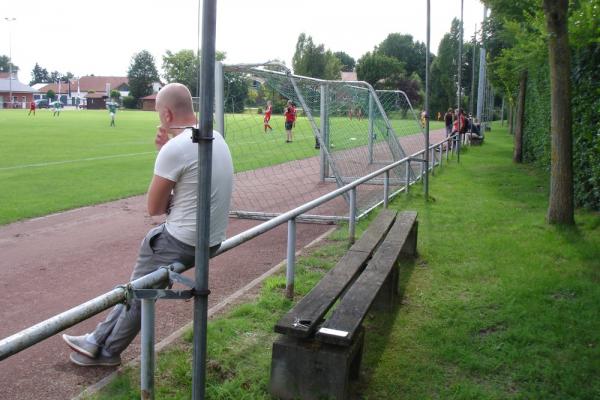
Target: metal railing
(125, 293)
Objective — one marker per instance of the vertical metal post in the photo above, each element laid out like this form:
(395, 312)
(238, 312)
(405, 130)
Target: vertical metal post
(206, 88)
(432, 161)
(324, 165)
(147, 362)
(219, 99)
(460, 43)
(386, 188)
(371, 133)
(481, 80)
(407, 175)
(472, 96)
(426, 154)
(291, 259)
(352, 216)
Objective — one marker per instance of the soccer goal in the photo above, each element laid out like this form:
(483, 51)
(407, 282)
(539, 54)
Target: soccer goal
(341, 133)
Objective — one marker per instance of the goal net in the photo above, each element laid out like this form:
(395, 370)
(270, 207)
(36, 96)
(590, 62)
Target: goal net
(343, 131)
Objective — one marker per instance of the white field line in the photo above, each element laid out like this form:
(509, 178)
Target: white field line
(74, 161)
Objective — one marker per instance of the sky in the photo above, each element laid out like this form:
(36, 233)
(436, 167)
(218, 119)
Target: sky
(100, 37)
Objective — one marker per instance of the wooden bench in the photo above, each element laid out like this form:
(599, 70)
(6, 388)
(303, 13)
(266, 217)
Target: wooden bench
(316, 356)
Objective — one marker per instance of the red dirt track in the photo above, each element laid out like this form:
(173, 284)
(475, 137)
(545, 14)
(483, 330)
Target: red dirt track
(53, 263)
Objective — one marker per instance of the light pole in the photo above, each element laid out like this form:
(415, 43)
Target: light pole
(8, 20)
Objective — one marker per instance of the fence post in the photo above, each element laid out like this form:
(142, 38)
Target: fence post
(371, 130)
(441, 154)
(147, 362)
(352, 216)
(324, 140)
(291, 259)
(407, 175)
(386, 188)
(432, 161)
(219, 101)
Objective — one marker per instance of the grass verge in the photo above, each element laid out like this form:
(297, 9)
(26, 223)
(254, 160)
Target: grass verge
(497, 305)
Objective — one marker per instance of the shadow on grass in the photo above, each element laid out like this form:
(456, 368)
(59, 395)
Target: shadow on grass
(378, 326)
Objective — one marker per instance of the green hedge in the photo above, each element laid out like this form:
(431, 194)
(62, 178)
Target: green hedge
(585, 105)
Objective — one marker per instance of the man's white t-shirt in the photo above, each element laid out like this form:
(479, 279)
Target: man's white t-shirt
(177, 161)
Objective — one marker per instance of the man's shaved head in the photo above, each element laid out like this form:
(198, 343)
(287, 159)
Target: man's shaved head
(177, 98)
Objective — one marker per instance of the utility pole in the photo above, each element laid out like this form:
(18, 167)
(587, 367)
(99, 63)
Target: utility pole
(10, 73)
(426, 154)
(481, 82)
(472, 97)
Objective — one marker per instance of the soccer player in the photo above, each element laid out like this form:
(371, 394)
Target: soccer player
(112, 109)
(267, 118)
(32, 108)
(290, 119)
(56, 106)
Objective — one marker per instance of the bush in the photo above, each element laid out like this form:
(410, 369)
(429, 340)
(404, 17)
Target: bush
(130, 102)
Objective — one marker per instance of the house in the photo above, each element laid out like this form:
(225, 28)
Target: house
(77, 91)
(22, 94)
(149, 102)
(349, 76)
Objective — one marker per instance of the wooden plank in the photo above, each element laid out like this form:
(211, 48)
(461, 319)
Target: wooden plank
(353, 307)
(302, 320)
(376, 231)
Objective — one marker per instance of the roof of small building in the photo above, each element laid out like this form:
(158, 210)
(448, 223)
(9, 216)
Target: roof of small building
(15, 86)
(150, 97)
(89, 83)
(349, 76)
(96, 95)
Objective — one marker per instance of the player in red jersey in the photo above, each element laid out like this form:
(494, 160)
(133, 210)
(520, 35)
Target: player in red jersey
(268, 112)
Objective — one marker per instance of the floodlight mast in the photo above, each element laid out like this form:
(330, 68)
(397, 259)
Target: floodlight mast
(426, 154)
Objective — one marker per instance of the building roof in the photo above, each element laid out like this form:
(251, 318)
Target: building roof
(349, 76)
(150, 97)
(5, 86)
(89, 83)
(96, 95)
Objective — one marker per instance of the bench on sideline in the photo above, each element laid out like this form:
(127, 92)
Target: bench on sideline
(315, 357)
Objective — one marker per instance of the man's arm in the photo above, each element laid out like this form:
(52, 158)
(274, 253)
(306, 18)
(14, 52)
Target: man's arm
(159, 195)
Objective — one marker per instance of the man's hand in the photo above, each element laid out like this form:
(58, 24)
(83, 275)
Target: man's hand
(162, 137)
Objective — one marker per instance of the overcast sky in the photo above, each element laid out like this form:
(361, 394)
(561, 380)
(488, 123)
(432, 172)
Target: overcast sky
(100, 37)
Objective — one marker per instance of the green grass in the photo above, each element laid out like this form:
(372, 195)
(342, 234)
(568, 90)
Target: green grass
(498, 305)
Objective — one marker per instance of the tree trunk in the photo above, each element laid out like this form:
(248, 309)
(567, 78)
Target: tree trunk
(561, 204)
(518, 151)
(510, 118)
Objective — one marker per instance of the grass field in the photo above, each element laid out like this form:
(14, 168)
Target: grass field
(498, 305)
(49, 164)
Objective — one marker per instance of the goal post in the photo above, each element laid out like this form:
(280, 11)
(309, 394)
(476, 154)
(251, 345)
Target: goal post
(342, 132)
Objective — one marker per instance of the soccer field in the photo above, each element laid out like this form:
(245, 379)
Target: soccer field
(49, 164)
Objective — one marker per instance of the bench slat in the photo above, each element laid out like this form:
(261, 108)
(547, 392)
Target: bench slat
(353, 307)
(302, 320)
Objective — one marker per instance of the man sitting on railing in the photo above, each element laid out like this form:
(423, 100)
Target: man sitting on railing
(173, 191)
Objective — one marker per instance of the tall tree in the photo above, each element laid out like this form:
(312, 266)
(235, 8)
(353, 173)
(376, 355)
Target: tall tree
(403, 48)
(379, 70)
(39, 75)
(348, 63)
(312, 60)
(5, 64)
(182, 67)
(561, 204)
(141, 74)
(444, 70)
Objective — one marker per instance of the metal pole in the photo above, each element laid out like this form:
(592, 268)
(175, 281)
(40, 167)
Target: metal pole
(371, 114)
(291, 258)
(147, 362)
(386, 189)
(352, 216)
(426, 154)
(206, 88)
(10, 74)
(432, 161)
(472, 97)
(219, 99)
(481, 81)
(407, 182)
(459, 79)
(324, 170)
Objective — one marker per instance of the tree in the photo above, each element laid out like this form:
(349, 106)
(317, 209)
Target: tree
(5, 64)
(376, 68)
(39, 75)
(115, 94)
(404, 49)
(55, 76)
(50, 94)
(314, 61)
(443, 70)
(182, 67)
(142, 74)
(561, 204)
(348, 63)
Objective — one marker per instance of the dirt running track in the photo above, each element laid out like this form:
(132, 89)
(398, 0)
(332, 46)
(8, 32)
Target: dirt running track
(53, 263)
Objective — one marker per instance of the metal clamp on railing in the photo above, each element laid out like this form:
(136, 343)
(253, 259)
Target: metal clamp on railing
(168, 293)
